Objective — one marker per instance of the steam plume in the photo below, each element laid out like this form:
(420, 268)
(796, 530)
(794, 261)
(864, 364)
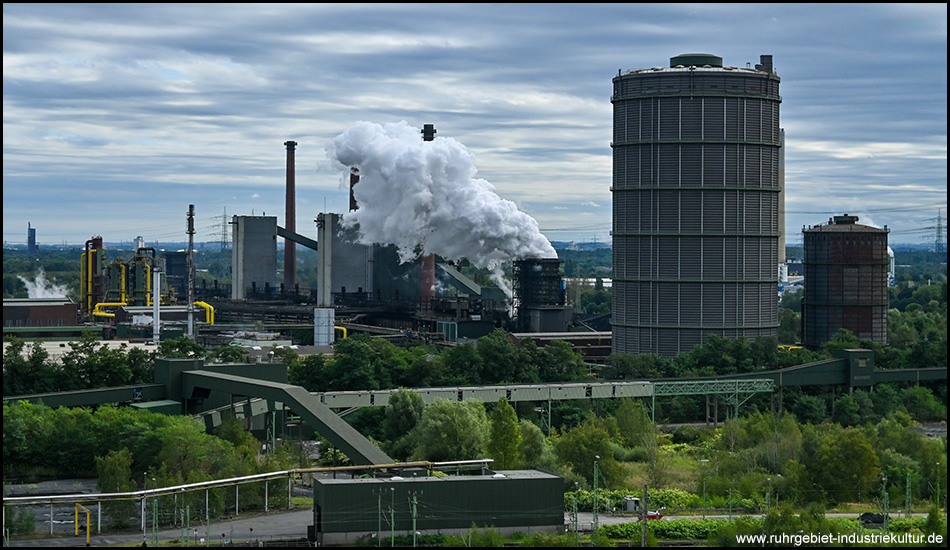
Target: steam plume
(423, 197)
(41, 287)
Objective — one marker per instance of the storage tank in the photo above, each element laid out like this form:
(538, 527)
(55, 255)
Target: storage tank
(696, 195)
(846, 275)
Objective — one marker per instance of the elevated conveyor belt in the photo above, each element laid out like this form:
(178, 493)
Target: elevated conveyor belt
(343, 436)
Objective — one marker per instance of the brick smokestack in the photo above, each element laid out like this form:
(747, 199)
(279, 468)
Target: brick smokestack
(290, 224)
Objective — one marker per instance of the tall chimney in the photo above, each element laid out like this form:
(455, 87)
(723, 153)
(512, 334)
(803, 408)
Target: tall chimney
(427, 268)
(290, 224)
(354, 179)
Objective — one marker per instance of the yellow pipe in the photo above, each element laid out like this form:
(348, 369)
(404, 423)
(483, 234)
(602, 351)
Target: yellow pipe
(98, 313)
(122, 287)
(149, 299)
(209, 312)
(343, 329)
(78, 506)
(84, 286)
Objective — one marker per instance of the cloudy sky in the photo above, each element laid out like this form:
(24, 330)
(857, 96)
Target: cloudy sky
(117, 117)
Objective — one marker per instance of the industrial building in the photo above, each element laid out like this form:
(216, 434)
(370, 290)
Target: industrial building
(697, 190)
(348, 510)
(371, 284)
(847, 269)
(540, 293)
(254, 256)
(40, 312)
(366, 287)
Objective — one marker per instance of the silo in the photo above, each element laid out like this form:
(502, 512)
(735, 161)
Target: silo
(846, 275)
(696, 194)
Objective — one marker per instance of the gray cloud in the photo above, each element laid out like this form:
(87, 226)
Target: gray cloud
(112, 107)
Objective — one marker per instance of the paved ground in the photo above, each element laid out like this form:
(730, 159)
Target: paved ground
(254, 529)
(257, 529)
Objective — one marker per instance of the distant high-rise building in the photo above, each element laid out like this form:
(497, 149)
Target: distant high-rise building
(846, 276)
(696, 196)
(31, 246)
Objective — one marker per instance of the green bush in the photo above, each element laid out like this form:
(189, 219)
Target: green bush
(22, 521)
(686, 529)
(632, 531)
(671, 499)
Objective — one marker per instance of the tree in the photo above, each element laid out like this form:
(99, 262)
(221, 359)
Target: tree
(581, 446)
(310, 373)
(141, 365)
(357, 365)
(634, 422)
(115, 476)
(533, 444)
(847, 465)
(463, 364)
(29, 375)
(558, 362)
(789, 326)
(501, 361)
(402, 415)
(597, 300)
(843, 339)
(451, 431)
(421, 367)
(627, 366)
(922, 405)
(847, 411)
(638, 430)
(229, 354)
(809, 409)
(505, 436)
(232, 430)
(183, 347)
(285, 355)
(94, 365)
(886, 399)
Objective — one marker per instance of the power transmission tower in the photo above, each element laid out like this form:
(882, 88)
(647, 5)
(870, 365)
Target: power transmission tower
(938, 244)
(223, 232)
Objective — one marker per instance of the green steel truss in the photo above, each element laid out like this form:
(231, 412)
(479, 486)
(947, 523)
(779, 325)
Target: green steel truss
(735, 392)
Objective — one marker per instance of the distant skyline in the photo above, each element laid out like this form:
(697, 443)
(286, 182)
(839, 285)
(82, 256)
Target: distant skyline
(117, 117)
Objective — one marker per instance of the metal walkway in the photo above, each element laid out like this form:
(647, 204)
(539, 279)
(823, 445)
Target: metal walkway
(343, 436)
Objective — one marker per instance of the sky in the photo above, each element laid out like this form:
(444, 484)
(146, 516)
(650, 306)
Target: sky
(117, 117)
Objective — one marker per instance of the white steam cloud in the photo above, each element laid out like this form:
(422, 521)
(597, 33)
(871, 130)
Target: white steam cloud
(40, 287)
(423, 197)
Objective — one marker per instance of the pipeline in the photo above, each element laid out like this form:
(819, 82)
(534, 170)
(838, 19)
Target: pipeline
(209, 311)
(98, 313)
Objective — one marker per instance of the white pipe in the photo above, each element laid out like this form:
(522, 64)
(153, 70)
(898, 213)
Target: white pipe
(156, 322)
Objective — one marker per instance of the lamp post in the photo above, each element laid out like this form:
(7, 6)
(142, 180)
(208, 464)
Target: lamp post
(703, 461)
(594, 523)
(887, 504)
(937, 492)
(574, 511)
(768, 498)
(778, 489)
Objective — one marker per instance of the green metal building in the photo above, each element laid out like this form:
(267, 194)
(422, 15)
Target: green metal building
(347, 510)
